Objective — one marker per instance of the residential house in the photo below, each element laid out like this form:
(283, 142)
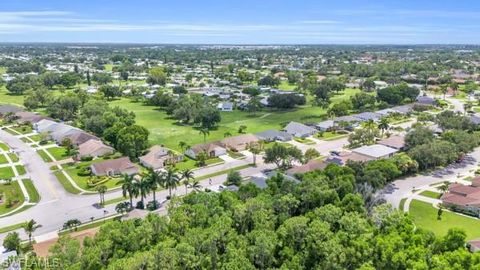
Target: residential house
(312, 165)
(274, 135)
(394, 141)
(225, 106)
(375, 151)
(343, 157)
(6, 109)
(62, 131)
(238, 143)
(45, 126)
(212, 149)
(158, 157)
(325, 125)
(473, 245)
(403, 109)
(425, 101)
(81, 137)
(94, 148)
(463, 198)
(114, 167)
(367, 116)
(28, 117)
(299, 130)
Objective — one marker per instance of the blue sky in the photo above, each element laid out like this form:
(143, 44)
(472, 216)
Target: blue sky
(241, 21)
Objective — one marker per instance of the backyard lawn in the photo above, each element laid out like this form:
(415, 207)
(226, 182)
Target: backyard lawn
(425, 216)
(6, 173)
(12, 197)
(166, 131)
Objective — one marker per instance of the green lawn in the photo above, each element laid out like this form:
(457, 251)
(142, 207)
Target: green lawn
(58, 153)
(425, 216)
(284, 85)
(31, 190)
(13, 157)
(402, 204)
(23, 129)
(4, 147)
(20, 169)
(65, 183)
(7, 98)
(44, 156)
(6, 173)
(164, 130)
(431, 194)
(223, 172)
(36, 137)
(12, 197)
(3, 70)
(12, 227)
(304, 141)
(3, 159)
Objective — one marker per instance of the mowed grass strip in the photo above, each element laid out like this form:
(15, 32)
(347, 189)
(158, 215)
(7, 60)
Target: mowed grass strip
(65, 183)
(44, 155)
(431, 194)
(425, 216)
(31, 190)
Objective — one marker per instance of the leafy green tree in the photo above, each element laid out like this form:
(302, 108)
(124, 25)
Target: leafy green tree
(132, 141)
(234, 178)
(157, 75)
(12, 242)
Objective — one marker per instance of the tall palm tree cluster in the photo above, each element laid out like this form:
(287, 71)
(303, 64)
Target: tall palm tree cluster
(152, 181)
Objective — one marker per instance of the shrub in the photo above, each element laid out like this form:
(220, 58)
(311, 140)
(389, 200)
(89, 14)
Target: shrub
(88, 158)
(140, 205)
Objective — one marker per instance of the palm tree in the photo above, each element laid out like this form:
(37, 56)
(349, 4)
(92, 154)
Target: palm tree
(444, 90)
(369, 124)
(171, 180)
(154, 180)
(142, 188)
(186, 175)
(205, 132)
(444, 187)
(182, 145)
(467, 106)
(195, 185)
(101, 191)
(255, 149)
(383, 125)
(30, 227)
(128, 187)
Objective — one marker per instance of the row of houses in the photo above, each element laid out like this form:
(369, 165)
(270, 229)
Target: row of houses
(88, 144)
(384, 148)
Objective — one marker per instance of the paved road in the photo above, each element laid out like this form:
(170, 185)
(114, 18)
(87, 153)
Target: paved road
(402, 188)
(57, 205)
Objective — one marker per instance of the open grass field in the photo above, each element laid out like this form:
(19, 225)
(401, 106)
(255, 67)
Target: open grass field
(166, 131)
(6, 98)
(284, 85)
(12, 197)
(425, 216)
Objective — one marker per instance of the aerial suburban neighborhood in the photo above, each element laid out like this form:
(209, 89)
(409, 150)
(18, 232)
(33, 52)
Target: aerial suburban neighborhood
(134, 143)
